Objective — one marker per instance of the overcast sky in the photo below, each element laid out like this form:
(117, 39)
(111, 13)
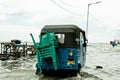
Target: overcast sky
(19, 18)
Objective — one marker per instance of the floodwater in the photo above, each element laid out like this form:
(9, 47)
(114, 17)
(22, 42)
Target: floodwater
(103, 55)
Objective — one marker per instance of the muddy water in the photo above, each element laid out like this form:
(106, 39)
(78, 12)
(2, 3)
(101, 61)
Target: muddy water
(103, 55)
(106, 56)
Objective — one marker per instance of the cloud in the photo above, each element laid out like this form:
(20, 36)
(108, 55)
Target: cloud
(22, 16)
(28, 12)
(8, 32)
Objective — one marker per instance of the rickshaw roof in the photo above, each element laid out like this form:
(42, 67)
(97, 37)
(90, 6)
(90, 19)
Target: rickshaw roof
(61, 28)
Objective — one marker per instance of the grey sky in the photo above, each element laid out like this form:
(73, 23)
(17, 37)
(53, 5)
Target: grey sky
(18, 18)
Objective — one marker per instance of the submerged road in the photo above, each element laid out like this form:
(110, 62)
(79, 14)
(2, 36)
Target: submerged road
(103, 55)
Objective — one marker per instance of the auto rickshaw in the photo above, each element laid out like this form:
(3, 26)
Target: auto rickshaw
(61, 49)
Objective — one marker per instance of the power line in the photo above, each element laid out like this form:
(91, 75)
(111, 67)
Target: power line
(75, 13)
(65, 8)
(65, 3)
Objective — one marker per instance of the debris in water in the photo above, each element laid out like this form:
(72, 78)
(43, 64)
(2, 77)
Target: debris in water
(99, 67)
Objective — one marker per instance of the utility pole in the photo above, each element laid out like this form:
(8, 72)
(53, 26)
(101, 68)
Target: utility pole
(88, 17)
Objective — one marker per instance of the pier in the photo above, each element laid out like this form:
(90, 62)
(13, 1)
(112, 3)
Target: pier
(15, 49)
